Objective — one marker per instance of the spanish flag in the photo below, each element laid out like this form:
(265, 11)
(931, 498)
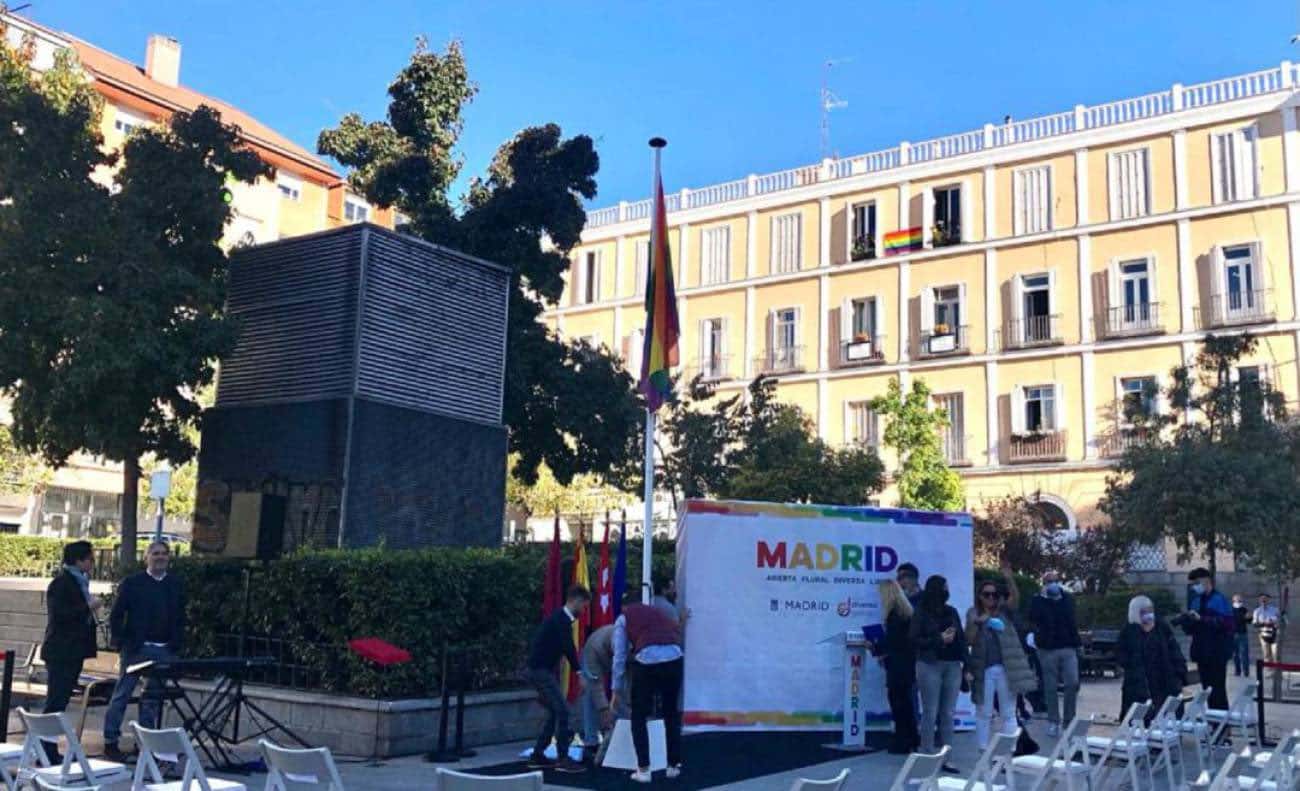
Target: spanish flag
(661, 325)
(569, 677)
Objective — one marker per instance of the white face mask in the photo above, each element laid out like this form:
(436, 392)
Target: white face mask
(1198, 589)
(1148, 617)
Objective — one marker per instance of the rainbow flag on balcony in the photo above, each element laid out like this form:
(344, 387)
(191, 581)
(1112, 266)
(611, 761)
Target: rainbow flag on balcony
(661, 324)
(903, 241)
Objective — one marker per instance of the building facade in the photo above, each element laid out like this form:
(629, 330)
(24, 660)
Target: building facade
(1035, 274)
(304, 195)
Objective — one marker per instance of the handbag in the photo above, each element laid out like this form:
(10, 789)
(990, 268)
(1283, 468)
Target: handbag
(1025, 745)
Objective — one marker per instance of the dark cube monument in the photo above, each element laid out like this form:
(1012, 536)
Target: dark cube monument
(362, 404)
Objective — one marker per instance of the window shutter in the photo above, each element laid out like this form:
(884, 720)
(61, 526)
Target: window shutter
(1261, 266)
(1060, 422)
(1244, 151)
(1162, 400)
(1017, 410)
(1052, 300)
(878, 309)
(962, 318)
(580, 292)
(1114, 297)
(1020, 202)
(595, 272)
(846, 320)
(927, 310)
(927, 215)
(1217, 275)
(774, 246)
(771, 332)
(847, 410)
(1045, 197)
(1218, 167)
(704, 343)
(1119, 401)
(722, 347)
(1144, 182)
(967, 209)
(798, 327)
(1113, 177)
(1153, 282)
(1017, 305)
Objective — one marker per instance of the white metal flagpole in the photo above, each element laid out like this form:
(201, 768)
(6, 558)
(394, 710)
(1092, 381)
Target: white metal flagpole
(656, 242)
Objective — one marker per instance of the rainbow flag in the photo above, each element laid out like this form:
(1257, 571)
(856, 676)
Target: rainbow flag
(661, 324)
(903, 241)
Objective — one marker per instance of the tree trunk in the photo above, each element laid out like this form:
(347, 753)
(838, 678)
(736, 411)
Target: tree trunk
(130, 508)
(1213, 547)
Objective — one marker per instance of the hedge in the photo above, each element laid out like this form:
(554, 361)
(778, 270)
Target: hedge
(36, 556)
(482, 603)
(1110, 610)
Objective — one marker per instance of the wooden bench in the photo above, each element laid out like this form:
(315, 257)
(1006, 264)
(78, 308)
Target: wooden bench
(94, 685)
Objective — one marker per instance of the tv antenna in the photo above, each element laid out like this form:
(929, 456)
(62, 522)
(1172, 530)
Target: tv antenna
(829, 101)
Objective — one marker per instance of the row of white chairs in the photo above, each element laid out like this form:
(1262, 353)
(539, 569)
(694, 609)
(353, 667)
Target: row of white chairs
(28, 765)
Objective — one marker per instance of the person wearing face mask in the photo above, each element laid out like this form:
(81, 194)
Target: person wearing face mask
(1056, 638)
(1240, 637)
(1210, 622)
(1148, 653)
(940, 643)
(997, 669)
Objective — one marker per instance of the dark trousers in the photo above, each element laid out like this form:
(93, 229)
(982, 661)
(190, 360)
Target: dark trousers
(150, 701)
(62, 680)
(1214, 677)
(662, 681)
(1126, 702)
(1241, 654)
(902, 707)
(557, 714)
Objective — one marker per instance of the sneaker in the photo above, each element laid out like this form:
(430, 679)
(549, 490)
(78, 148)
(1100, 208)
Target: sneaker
(569, 766)
(114, 753)
(641, 776)
(536, 761)
(673, 772)
(1053, 730)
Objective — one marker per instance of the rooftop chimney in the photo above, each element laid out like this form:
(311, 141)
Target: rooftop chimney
(162, 60)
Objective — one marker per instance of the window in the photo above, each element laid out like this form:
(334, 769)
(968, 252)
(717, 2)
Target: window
(1135, 290)
(860, 337)
(1130, 184)
(126, 121)
(786, 243)
(1040, 408)
(633, 352)
(290, 186)
(864, 318)
(953, 434)
(1036, 308)
(642, 266)
(588, 285)
(715, 258)
(1032, 200)
(1138, 397)
(713, 363)
(862, 425)
(1241, 281)
(783, 351)
(1232, 160)
(77, 513)
(942, 311)
(947, 216)
(355, 209)
(1253, 388)
(862, 244)
(947, 310)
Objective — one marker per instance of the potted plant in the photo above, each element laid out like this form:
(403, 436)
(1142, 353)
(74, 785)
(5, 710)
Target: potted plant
(942, 329)
(861, 337)
(864, 247)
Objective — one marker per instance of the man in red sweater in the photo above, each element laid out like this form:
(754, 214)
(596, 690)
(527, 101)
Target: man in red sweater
(648, 650)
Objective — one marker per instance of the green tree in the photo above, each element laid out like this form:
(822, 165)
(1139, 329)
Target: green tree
(925, 481)
(585, 496)
(1217, 471)
(568, 405)
(761, 449)
(111, 308)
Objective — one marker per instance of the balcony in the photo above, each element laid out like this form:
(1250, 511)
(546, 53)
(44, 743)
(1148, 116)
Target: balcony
(954, 450)
(1128, 321)
(944, 341)
(1034, 331)
(1114, 444)
(864, 248)
(1241, 307)
(781, 360)
(1038, 446)
(863, 350)
(945, 235)
(710, 369)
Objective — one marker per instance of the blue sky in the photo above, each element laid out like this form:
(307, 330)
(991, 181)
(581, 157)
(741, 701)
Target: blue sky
(732, 86)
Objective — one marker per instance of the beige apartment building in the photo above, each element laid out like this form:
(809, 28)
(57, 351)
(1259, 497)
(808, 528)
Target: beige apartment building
(1058, 264)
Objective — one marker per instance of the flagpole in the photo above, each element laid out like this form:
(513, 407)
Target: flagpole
(647, 549)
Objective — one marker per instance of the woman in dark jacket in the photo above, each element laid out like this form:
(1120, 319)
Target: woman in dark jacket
(940, 644)
(1148, 653)
(900, 666)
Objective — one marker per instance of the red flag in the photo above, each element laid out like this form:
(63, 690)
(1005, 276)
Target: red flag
(552, 590)
(602, 609)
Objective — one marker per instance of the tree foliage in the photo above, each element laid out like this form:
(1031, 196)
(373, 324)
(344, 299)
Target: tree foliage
(585, 496)
(1218, 470)
(569, 406)
(111, 300)
(760, 449)
(925, 481)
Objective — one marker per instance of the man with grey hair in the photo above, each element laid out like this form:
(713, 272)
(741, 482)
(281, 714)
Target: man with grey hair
(1056, 637)
(148, 623)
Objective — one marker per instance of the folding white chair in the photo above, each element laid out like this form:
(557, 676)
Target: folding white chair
(1165, 736)
(1060, 764)
(45, 785)
(76, 769)
(448, 780)
(1274, 768)
(1124, 747)
(299, 767)
(994, 762)
(1192, 723)
(173, 745)
(1239, 714)
(834, 784)
(919, 771)
(1225, 779)
(10, 754)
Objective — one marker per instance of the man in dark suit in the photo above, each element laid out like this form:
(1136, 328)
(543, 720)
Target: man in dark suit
(69, 626)
(553, 641)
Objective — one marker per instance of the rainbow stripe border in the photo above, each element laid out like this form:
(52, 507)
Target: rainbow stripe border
(786, 719)
(864, 514)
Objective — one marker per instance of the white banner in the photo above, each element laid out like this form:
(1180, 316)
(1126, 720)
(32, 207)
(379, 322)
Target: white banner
(773, 589)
